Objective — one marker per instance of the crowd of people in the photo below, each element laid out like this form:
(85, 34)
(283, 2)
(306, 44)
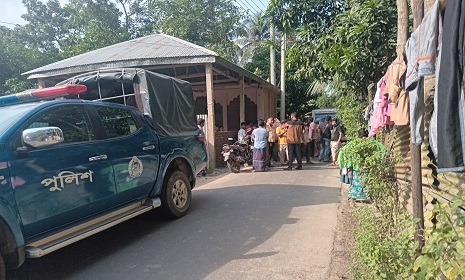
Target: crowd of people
(290, 139)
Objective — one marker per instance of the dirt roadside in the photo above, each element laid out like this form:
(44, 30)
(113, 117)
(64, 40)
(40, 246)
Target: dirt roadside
(343, 239)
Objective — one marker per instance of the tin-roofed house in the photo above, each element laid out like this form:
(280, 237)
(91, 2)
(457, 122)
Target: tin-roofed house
(225, 92)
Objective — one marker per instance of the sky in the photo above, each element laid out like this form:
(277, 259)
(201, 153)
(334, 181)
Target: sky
(13, 9)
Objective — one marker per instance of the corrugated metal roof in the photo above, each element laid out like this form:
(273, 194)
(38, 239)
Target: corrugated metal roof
(152, 48)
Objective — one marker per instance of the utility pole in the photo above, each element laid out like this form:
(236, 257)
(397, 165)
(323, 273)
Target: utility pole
(272, 57)
(415, 153)
(283, 77)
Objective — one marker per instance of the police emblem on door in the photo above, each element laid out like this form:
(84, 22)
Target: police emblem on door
(135, 167)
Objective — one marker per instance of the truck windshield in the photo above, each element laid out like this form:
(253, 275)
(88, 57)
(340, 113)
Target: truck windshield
(9, 115)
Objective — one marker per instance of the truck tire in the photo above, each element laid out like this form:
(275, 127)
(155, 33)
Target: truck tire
(176, 195)
(2, 268)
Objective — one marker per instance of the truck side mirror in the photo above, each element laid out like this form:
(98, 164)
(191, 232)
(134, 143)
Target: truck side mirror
(42, 136)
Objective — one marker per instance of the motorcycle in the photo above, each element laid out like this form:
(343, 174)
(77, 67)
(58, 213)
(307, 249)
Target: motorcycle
(237, 154)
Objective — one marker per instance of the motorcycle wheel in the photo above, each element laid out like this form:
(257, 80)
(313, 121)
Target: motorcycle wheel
(234, 166)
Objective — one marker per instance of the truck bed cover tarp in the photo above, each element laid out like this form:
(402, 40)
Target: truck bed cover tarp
(168, 101)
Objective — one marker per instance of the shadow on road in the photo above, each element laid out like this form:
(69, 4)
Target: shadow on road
(225, 224)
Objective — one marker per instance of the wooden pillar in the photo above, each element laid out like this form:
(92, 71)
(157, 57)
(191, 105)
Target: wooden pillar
(272, 57)
(241, 99)
(210, 117)
(415, 154)
(283, 78)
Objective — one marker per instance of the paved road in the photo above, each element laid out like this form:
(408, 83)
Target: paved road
(272, 225)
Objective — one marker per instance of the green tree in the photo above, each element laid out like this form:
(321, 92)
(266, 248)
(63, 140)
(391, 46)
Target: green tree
(326, 100)
(92, 24)
(315, 16)
(259, 63)
(16, 57)
(53, 32)
(347, 45)
(256, 32)
(351, 109)
(46, 26)
(126, 6)
(140, 18)
(211, 24)
(296, 98)
(77, 27)
(356, 49)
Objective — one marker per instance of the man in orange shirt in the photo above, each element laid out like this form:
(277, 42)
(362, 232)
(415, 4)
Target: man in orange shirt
(295, 137)
(281, 132)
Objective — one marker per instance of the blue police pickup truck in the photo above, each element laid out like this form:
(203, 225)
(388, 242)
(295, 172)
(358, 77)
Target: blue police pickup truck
(115, 144)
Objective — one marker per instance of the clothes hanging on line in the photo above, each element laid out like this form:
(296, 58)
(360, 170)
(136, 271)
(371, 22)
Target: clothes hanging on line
(377, 120)
(421, 53)
(433, 127)
(450, 94)
(381, 108)
(397, 95)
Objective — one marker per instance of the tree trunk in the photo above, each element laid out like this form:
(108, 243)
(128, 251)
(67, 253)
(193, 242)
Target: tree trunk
(415, 155)
(402, 25)
(427, 5)
(417, 11)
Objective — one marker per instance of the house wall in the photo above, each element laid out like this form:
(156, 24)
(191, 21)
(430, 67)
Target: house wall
(263, 98)
(221, 137)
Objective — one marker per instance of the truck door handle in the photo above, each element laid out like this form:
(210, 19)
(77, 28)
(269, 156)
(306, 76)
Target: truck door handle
(101, 157)
(150, 147)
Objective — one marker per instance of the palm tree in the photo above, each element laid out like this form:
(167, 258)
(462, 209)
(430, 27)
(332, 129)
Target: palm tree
(254, 34)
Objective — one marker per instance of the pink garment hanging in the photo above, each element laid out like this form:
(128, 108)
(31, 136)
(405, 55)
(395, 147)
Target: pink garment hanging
(381, 107)
(386, 108)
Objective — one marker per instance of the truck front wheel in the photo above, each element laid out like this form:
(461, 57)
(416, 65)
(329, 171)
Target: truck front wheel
(176, 195)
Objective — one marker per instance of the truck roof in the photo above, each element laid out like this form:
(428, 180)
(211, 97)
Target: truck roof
(167, 100)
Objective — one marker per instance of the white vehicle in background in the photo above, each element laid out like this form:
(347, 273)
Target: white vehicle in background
(320, 114)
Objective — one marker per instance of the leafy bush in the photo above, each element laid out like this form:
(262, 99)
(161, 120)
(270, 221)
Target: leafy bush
(370, 158)
(383, 250)
(350, 110)
(384, 246)
(443, 255)
(360, 154)
(326, 100)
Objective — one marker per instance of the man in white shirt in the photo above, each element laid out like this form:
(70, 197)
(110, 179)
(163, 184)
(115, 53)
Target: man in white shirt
(200, 125)
(241, 134)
